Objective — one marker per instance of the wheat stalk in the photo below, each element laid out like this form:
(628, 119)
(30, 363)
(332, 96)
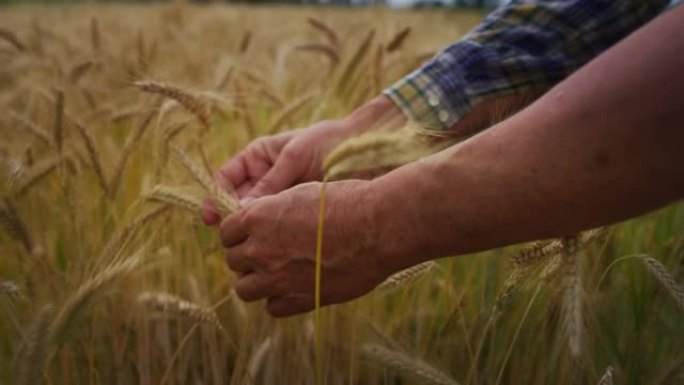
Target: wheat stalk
(122, 237)
(410, 366)
(93, 154)
(666, 279)
(607, 378)
(32, 357)
(572, 294)
(131, 141)
(170, 304)
(63, 324)
(192, 103)
(406, 276)
(288, 111)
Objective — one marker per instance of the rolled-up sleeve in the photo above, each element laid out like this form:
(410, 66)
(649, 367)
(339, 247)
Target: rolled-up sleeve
(521, 46)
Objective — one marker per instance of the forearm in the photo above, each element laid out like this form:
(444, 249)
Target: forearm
(602, 146)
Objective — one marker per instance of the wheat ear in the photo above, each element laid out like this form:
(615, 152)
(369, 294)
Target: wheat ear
(176, 197)
(572, 294)
(14, 226)
(33, 128)
(245, 41)
(665, 278)
(543, 249)
(192, 103)
(9, 288)
(607, 378)
(32, 357)
(11, 37)
(328, 31)
(36, 173)
(63, 324)
(410, 366)
(200, 175)
(398, 40)
(406, 276)
(79, 70)
(170, 304)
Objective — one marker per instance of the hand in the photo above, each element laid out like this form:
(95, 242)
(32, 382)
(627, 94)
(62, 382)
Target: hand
(274, 163)
(271, 243)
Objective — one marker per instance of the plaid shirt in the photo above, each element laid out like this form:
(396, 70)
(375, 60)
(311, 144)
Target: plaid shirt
(521, 46)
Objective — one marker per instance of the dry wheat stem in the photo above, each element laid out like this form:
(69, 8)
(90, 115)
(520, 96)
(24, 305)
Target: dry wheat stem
(33, 355)
(572, 294)
(173, 305)
(407, 365)
(191, 102)
(62, 326)
(666, 279)
(245, 41)
(406, 276)
(607, 378)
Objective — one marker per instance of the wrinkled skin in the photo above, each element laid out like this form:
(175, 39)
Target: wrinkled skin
(271, 243)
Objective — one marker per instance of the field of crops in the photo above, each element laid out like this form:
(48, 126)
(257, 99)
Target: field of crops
(113, 118)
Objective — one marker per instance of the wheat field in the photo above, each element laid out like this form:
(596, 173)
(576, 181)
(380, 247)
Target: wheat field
(113, 118)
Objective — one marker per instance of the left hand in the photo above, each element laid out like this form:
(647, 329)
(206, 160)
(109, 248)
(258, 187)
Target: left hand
(271, 243)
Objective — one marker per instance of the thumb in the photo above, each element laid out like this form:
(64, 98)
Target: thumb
(281, 176)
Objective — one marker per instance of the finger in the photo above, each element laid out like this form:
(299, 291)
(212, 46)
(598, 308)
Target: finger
(238, 258)
(281, 176)
(210, 215)
(255, 286)
(289, 305)
(232, 231)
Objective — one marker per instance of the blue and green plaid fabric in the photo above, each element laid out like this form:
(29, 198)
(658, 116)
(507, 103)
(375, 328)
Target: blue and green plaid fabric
(522, 45)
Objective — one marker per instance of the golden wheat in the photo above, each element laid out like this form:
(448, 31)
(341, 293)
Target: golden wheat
(410, 366)
(173, 305)
(191, 102)
(406, 276)
(665, 278)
